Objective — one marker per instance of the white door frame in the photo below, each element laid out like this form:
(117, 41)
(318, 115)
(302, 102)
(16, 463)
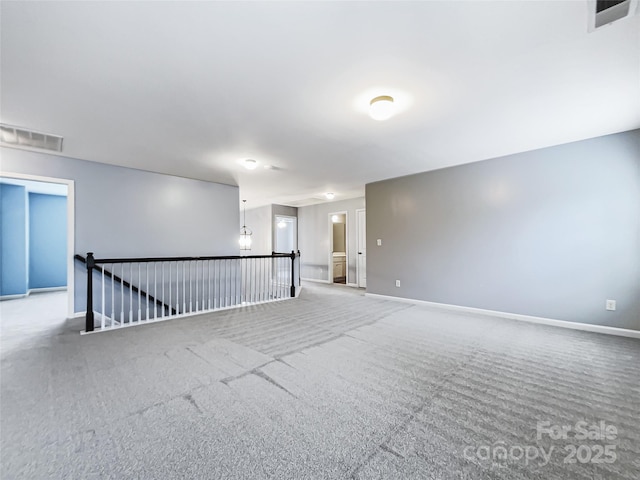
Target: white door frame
(71, 222)
(357, 245)
(346, 245)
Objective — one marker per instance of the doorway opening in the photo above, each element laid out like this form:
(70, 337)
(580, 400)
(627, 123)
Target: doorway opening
(37, 215)
(338, 241)
(286, 234)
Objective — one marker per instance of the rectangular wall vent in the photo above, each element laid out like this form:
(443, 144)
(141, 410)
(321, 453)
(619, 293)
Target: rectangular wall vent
(604, 12)
(21, 137)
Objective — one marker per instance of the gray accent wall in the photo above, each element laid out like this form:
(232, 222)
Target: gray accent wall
(284, 210)
(313, 238)
(552, 233)
(122, 212)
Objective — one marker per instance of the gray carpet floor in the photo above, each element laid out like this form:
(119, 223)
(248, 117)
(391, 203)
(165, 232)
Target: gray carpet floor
(330, 385)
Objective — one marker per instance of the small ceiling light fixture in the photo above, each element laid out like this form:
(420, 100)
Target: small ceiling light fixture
(245, 233)
(335, 218)
(381, 108)
(250, 164)
(330, 195)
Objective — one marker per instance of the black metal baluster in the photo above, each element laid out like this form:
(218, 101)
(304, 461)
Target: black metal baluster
(89, 317)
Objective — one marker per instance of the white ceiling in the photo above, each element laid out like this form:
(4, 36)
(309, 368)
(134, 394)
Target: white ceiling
(189, 88)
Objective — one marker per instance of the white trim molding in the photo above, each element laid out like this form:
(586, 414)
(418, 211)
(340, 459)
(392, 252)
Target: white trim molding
(327, 282)
(32, 291)
(622, 332)
(358, 253)
(316, 280)
(77, 315)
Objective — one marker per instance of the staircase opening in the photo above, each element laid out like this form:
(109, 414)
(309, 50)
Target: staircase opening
(124, 292)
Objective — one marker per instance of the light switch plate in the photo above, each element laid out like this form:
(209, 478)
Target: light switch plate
(379, 242)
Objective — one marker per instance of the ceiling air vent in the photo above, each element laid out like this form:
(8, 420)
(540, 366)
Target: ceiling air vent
(604, 12)
(21, 137)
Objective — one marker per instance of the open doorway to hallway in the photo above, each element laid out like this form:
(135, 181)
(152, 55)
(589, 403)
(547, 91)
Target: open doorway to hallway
(286, 234)
(339, 261)
(36, 248)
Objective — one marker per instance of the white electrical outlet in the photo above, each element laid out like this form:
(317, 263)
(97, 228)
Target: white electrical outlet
(397, 283)
(610, 305)
(379, 242)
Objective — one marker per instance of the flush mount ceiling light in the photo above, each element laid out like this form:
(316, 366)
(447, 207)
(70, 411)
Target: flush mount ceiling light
(330, 195)
(250, 164)
(390, 97)
(381, 107)
(335, 218)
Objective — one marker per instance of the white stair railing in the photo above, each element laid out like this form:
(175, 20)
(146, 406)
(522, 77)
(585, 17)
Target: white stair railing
(134, 291)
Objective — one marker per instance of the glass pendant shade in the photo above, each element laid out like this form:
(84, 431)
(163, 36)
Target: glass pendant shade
(245, 233)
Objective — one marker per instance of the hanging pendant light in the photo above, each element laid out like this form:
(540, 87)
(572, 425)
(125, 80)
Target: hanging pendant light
(245, 233)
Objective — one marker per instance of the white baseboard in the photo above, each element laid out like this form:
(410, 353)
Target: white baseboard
(13, 297)
(623, 332)
(314, 280)
(47, 289)
(351, 285)
(32, 290)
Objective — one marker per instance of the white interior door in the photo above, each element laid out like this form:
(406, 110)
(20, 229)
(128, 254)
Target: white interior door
(361, 220)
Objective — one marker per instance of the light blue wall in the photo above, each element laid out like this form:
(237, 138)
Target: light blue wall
(47, 240)
(550, 233)
(13, 240)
